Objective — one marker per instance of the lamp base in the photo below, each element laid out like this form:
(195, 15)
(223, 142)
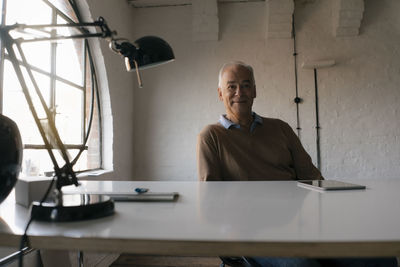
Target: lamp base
(73, 207)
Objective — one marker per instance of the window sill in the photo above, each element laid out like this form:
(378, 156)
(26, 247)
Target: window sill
(89, 175)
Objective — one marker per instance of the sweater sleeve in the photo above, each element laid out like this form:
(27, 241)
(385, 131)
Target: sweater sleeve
(305, 169)
(208, 166)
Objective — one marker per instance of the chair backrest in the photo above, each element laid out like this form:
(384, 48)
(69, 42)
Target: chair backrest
(239, 262)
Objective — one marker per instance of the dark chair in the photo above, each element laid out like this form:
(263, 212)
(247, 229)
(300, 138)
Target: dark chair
(238, 262)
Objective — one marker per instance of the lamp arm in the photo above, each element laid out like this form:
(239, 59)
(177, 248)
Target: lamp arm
(100, 23)
(65, 175)
(77, 36)
(131, 52)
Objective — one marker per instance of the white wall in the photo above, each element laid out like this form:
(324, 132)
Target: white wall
(359, 96)
(155, 127)
(116, 88)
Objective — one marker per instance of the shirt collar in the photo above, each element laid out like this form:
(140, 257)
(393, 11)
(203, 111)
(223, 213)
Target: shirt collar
(228, 124)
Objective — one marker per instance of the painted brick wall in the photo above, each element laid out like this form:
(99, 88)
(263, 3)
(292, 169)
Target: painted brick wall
(359, 95)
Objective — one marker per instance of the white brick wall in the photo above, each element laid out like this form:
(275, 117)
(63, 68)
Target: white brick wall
(359, 96)
(347, 16)
(279, 18)
(205, 20)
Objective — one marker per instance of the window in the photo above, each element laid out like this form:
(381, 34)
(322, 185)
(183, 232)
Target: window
(66, 77)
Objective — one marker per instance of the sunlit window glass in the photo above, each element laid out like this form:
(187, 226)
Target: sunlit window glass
(63, 73)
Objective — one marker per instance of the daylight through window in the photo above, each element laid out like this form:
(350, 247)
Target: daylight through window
(66, 77)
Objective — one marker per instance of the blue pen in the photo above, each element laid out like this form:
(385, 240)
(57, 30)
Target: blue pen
(140, 190)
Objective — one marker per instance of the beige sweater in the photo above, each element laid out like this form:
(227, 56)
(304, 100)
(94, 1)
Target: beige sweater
(271, 152)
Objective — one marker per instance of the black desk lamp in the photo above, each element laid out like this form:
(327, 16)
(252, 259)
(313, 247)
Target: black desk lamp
(145, 52)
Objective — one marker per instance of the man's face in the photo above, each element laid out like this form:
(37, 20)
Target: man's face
(237, 90)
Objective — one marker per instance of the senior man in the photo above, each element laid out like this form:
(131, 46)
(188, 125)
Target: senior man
(244, 146)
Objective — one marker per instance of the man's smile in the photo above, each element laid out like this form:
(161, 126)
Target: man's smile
(240, 101)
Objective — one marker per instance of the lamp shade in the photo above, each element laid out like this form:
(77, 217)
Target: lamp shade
(10, 155)
(150, 51)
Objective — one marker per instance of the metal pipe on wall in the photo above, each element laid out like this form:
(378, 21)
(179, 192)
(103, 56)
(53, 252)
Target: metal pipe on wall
(317, 65)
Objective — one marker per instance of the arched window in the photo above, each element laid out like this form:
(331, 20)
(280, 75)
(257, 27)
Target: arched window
(65, 73)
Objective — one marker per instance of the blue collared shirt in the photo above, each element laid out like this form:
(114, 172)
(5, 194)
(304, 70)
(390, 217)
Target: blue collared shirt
(228, 124)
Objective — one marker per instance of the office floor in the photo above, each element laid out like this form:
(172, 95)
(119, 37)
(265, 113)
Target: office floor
(130, 260)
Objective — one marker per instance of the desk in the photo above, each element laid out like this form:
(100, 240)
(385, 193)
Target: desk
(271, 218)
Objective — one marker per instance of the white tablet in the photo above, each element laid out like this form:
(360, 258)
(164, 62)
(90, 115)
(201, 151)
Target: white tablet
(329, 185)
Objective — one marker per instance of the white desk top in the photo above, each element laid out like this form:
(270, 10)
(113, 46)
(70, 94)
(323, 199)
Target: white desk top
(229, 218)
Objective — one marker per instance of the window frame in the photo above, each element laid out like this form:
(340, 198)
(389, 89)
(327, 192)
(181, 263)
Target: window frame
(89, 87)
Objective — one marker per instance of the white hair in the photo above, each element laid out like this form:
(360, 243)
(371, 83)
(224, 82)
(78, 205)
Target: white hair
(235, 63)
